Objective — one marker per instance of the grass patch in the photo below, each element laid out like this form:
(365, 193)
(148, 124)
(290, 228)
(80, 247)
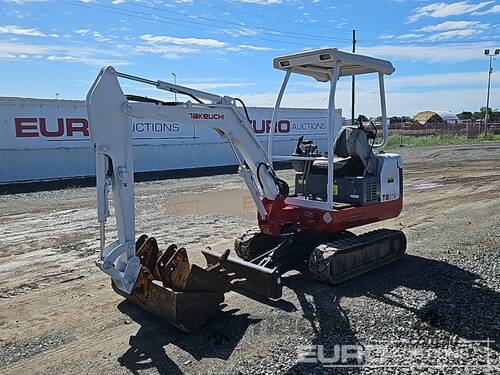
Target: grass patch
(436, 139)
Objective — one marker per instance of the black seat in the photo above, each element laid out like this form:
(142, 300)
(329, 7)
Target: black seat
(351, 147)
(342, 167)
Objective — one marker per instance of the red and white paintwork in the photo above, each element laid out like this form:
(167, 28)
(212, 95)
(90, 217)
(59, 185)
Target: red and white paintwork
(284, 218)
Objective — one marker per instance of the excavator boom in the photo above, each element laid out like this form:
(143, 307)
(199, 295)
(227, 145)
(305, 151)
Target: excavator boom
(110, 115)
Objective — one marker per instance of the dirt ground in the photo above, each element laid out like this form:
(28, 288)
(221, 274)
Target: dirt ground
(58, 313)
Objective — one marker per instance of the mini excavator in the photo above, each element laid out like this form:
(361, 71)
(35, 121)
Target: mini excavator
(348, 185)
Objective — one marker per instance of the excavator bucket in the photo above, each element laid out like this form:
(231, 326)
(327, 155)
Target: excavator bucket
(183, 294)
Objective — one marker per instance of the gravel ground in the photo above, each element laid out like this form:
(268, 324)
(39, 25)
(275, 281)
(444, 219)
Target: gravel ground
(436, 311)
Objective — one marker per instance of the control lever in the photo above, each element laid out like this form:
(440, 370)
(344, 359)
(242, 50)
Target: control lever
(360, 123)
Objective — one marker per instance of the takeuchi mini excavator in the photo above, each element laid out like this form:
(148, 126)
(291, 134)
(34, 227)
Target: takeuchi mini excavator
(345, 186)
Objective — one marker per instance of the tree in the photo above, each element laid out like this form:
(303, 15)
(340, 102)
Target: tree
(492, 113)
(465, 115)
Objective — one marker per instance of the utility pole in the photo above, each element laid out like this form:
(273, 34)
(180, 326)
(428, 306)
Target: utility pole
(353, 81)
(490, 71)
(175, 83)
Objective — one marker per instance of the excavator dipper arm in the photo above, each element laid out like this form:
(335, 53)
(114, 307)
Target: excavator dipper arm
(110, 115)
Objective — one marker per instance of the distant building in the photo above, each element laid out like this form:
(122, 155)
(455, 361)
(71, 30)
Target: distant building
(436, 116)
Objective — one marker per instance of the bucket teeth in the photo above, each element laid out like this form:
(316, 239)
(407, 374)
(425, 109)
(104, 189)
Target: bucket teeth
(148, 252)
(177, 270)
(161, 271)
(183, 294)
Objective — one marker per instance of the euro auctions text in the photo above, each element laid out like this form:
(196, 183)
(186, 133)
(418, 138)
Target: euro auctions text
(413, 354)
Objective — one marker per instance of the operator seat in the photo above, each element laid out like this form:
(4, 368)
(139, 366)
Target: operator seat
(353, 153)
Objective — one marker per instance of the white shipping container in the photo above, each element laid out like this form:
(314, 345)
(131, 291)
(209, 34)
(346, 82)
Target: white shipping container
(44, 139)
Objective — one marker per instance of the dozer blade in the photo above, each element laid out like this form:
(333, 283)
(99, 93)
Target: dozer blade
(255, 278)
(338, 261)
(186, 296)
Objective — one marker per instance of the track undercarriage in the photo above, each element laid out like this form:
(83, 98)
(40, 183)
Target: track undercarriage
(188, 296)
(331, 258)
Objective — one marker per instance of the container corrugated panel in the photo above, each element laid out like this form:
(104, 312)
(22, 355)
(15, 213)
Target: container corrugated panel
(44, 139)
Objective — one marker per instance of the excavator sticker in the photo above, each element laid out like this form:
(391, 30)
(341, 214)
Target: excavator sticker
(206, 116)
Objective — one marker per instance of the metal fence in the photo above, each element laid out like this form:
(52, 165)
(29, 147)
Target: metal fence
(468, 129)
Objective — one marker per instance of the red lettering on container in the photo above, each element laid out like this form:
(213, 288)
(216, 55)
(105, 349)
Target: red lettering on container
(71, 128)
(56, 133)
(22, 127)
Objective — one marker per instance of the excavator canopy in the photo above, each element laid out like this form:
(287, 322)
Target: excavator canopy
(320, 63)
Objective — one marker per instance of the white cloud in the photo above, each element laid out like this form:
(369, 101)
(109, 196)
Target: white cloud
(20, 2)
(454, 34)
(99, 37)
(395, 82)
(84, 55)
(454, 25)
(170, 52)
(201, 42)
(249, 47)
(17, 30)
(86, 60)
(440, 10)
(398, 103)
(409, 36)
(449, 53)
(493, 10)
(116, 2)
(81, 32)
(438, 80)
(240, 32)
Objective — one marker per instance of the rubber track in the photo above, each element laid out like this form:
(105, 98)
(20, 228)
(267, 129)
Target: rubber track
(344, 259)
(253, 243)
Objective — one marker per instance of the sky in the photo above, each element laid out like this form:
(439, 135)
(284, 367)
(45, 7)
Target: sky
(52, 49)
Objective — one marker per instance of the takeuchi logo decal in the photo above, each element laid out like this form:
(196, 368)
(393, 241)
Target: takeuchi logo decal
(206, 116)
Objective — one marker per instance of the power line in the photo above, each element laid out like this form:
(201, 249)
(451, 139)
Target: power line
(434, 45)
(175, 22)
(260, 15)
(340, 29)
(226, 22)
(437, 42)
(294, 39)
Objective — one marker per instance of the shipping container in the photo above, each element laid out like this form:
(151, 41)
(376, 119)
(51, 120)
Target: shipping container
(45, 139)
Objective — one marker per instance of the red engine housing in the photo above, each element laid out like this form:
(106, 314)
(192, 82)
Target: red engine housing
(285, 218)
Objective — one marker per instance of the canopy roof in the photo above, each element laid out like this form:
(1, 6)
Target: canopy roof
(319, 63)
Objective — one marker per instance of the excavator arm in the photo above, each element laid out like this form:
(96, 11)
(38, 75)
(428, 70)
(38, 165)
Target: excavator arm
(110, 116)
